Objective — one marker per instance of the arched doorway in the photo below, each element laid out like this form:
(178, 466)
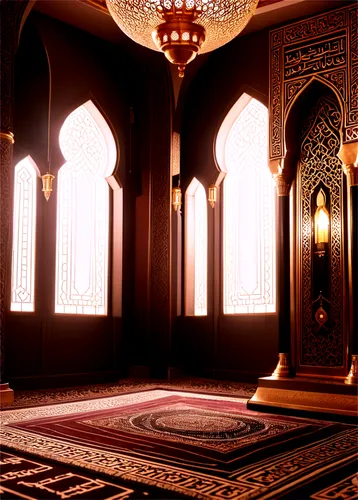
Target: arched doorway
(319, 206)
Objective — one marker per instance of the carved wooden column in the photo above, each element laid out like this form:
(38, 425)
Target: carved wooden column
(10, 13)
(288, 79)
(283, 368)
(160, 223)
(6, 142)
(349, 156)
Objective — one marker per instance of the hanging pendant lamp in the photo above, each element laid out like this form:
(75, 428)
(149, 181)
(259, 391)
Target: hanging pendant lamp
(182, 28)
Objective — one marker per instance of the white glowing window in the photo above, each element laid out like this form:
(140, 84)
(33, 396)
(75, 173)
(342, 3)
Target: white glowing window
(196, 249)
(88, 146)
(24, 231)
(248, 232)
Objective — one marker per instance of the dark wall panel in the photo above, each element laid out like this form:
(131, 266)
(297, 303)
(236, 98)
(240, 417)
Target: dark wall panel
(247, 345)
(24, 346)
(223, 346)
(44, 345)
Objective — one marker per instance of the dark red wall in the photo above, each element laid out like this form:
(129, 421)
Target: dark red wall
(243, 346)
(42, 348)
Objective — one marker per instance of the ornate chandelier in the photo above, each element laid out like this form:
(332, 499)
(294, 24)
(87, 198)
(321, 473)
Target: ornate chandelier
(182, 28)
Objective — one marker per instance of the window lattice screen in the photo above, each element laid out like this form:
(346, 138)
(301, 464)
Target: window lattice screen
(24, 235)
(196, 249)
(89, 148)
(248, 245)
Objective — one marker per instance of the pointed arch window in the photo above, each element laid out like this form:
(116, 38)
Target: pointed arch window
(24, 232)
(82, 248)
(196, 249)
(248, 210)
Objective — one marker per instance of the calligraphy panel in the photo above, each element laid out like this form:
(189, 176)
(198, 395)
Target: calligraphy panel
(323, 46)
(315, 57)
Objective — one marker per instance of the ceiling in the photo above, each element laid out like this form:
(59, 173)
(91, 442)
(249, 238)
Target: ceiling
(92, 15)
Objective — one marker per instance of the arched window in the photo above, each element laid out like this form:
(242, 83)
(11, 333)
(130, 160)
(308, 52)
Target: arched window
(248, 206)
(82, 249)
(24, 231)
(196, 249)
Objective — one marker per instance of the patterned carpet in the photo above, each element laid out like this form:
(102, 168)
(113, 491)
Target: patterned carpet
(23, 476)
(124, 386)
(175, 444)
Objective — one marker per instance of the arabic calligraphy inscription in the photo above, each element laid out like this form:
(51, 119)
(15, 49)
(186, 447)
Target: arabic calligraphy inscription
(316, 57)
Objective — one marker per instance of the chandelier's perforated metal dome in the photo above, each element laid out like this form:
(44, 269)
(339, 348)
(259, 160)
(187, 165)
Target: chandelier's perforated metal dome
(222, 20)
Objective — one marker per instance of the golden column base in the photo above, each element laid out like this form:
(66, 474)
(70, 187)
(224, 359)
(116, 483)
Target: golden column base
(6, 394)
(283, 368)
(352, 377)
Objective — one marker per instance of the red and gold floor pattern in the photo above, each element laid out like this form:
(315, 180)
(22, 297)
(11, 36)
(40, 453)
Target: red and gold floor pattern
(206, 446)
(125, 386)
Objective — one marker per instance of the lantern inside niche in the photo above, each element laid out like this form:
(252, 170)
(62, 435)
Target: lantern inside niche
(321, 223)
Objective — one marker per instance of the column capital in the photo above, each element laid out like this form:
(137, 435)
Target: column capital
(280, 176)
(8, 136)
(348, 154)
(276, 166)
(282, 184)
(351, 172)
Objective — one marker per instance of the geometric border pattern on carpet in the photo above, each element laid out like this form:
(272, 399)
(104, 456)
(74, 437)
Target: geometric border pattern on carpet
(36, 479)
(27, 398)
(205, 446)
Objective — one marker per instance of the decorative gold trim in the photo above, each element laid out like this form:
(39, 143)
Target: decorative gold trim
(352, 377)
(320, 144)
(317, 77)
(180, 52)
(351, 172)
(7, 135)
(283, 187)
(97, 4)
(341, 404)
(283, 368)
(289, 76)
